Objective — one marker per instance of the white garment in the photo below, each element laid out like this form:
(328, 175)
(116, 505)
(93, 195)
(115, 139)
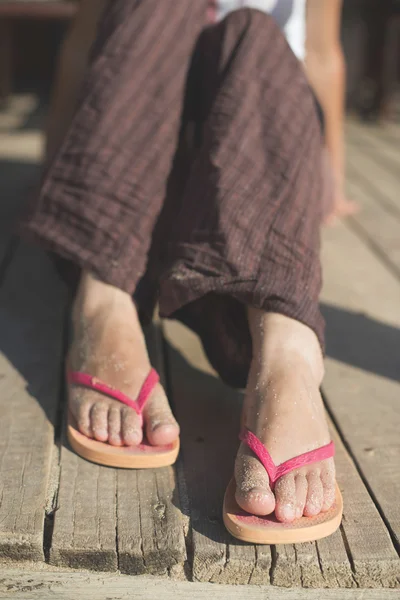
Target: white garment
(290, 15)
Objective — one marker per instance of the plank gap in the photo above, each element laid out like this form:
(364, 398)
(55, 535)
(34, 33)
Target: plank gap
(116, 525)
(179, 467)
(319, 559)
(273, 564)
(349, 553)
(9, 253)
(62, 399)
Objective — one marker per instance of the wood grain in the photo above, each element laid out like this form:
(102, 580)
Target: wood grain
(84, 535)
(362, 302)
(32, 306)
(43, 585)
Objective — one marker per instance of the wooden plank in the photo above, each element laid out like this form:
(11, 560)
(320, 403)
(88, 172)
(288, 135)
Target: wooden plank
(311, 566)
(149, 522)
(375, 140)
(150, 530)
(391, 132)
(117, 518)
(374, 560)
(362, 302)
(286, 571)
(32, 305)
(84, 525)
(43, 585)
(383, 184)
(379, 226)
(209, 414)
(334, 561)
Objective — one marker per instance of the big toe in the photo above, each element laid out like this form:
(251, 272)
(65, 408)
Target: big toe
(253, 493)
(161, 426)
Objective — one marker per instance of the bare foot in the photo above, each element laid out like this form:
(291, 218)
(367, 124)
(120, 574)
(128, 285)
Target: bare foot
(109, 344)
(284, 408)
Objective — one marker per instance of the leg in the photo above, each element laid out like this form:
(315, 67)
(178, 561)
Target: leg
(248, 234)
(101, 197)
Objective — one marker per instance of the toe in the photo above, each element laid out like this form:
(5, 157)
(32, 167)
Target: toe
(81, 409)
(329, 486)
(99, 421)
(114, 426)
(161, 427)
(285, 496)
(301, 493)
(315, 494)
(253, 492)
(131, 427)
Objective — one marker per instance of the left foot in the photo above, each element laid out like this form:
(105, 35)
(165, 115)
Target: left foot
(284, 409)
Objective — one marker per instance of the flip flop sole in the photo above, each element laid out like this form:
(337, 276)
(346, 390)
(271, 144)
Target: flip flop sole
(268, 530)
(144, 456)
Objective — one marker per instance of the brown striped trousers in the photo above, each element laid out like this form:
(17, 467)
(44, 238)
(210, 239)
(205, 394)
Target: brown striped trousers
(191, 173)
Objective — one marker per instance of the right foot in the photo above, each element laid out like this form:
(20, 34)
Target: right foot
(109, 344)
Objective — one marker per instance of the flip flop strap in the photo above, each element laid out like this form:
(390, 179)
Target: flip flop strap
(277, 471)
(93, 383)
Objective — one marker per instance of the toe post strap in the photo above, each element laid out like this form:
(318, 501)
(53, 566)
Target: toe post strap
(277, 471)
(93, 383)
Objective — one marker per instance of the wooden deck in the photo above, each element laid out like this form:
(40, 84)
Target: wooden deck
(62, 519)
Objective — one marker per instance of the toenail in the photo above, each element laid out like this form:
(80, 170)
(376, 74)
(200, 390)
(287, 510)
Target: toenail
(313, 509)
(100, 431)
(288, 511)
(157, 424)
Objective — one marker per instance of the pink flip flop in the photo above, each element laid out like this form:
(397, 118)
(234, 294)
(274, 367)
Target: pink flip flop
(268, 530)
(143, 456)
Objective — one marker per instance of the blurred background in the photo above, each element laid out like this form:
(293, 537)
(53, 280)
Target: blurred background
(31, 32)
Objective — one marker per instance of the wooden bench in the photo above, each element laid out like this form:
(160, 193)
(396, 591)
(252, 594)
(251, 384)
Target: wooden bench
(24, 9)
(59, 512)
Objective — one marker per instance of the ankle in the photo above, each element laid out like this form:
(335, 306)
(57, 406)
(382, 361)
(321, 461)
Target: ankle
(94, 297)
(281, 344)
